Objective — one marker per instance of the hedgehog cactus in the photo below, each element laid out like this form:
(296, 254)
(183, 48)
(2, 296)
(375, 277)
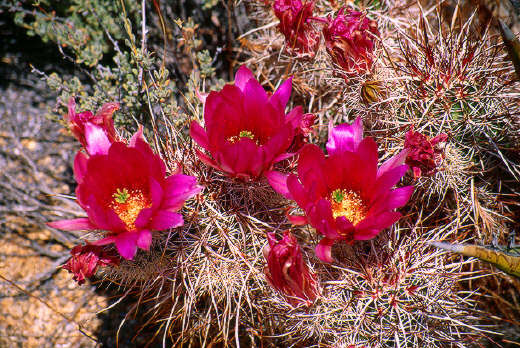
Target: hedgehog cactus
(370, 278)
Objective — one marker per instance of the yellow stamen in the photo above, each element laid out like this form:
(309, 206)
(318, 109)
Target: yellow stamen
(127, 205)
(348, 204)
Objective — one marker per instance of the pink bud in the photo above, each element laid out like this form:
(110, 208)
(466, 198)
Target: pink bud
(286, 271)
(295, 25)
(302, 132)
(102, 119)
(349, 39)
(425, 154)
(87, 258)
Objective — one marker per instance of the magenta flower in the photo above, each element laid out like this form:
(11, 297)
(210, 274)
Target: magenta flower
(346, 196)
(425, 154)
(295, 25)
(102, 119)
(85, 260)
(349, 39)
(247, 130)
(124, 190)
(286, 271)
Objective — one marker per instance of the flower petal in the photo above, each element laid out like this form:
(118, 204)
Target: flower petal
(379, 221)
(144, 240)
(278, 182)
(73, 224)
(243, 75)
(344, 137)
(320, 217)
(105, 241)
(178, 188)
(366, 234)
(137, 136)
(310, 166)
(207, 160)
(345, 227)
(295, 116)
(275, 147)
(393, 162)
(156, 193)
(72, 107)
(280, 98)
(199, 135)
(165, 219)
(255, 97)
(143, 218)
(324, 249)
(367, 150)
(155, 165)
(297, 191)
(126, 244)
(107, 110)
(103, 219)
(399, 197)
(222, 107)
(388, 180)
(240, 158)
(80, 166)
(297, 220)
(97, 140)
(284, 156)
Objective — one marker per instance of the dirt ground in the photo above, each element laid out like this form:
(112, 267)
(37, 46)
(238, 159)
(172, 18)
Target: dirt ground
(40, 304)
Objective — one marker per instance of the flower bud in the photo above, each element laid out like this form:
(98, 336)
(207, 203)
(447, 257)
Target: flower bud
(425, 154)
(102, 119)
(286, 271)
(85, 260)
(349, 39)
(295, 17)
(372, 92)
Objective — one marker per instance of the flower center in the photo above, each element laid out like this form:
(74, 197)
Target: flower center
(348, 204)
(242, 134)
(128, 204)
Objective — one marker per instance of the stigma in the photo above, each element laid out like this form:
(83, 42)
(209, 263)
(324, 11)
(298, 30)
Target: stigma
(243, 134)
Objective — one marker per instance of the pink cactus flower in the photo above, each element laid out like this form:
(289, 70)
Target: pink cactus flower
(346, 196)
(85, 260)
(287, 272)
(247, 130)
(425, 154)
(102, 119)
(295, 25)
(124, 190)
(349, 39)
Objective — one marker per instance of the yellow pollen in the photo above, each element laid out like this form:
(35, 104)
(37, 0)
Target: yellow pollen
(129, 208)
(348, 204)
(242, 134)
